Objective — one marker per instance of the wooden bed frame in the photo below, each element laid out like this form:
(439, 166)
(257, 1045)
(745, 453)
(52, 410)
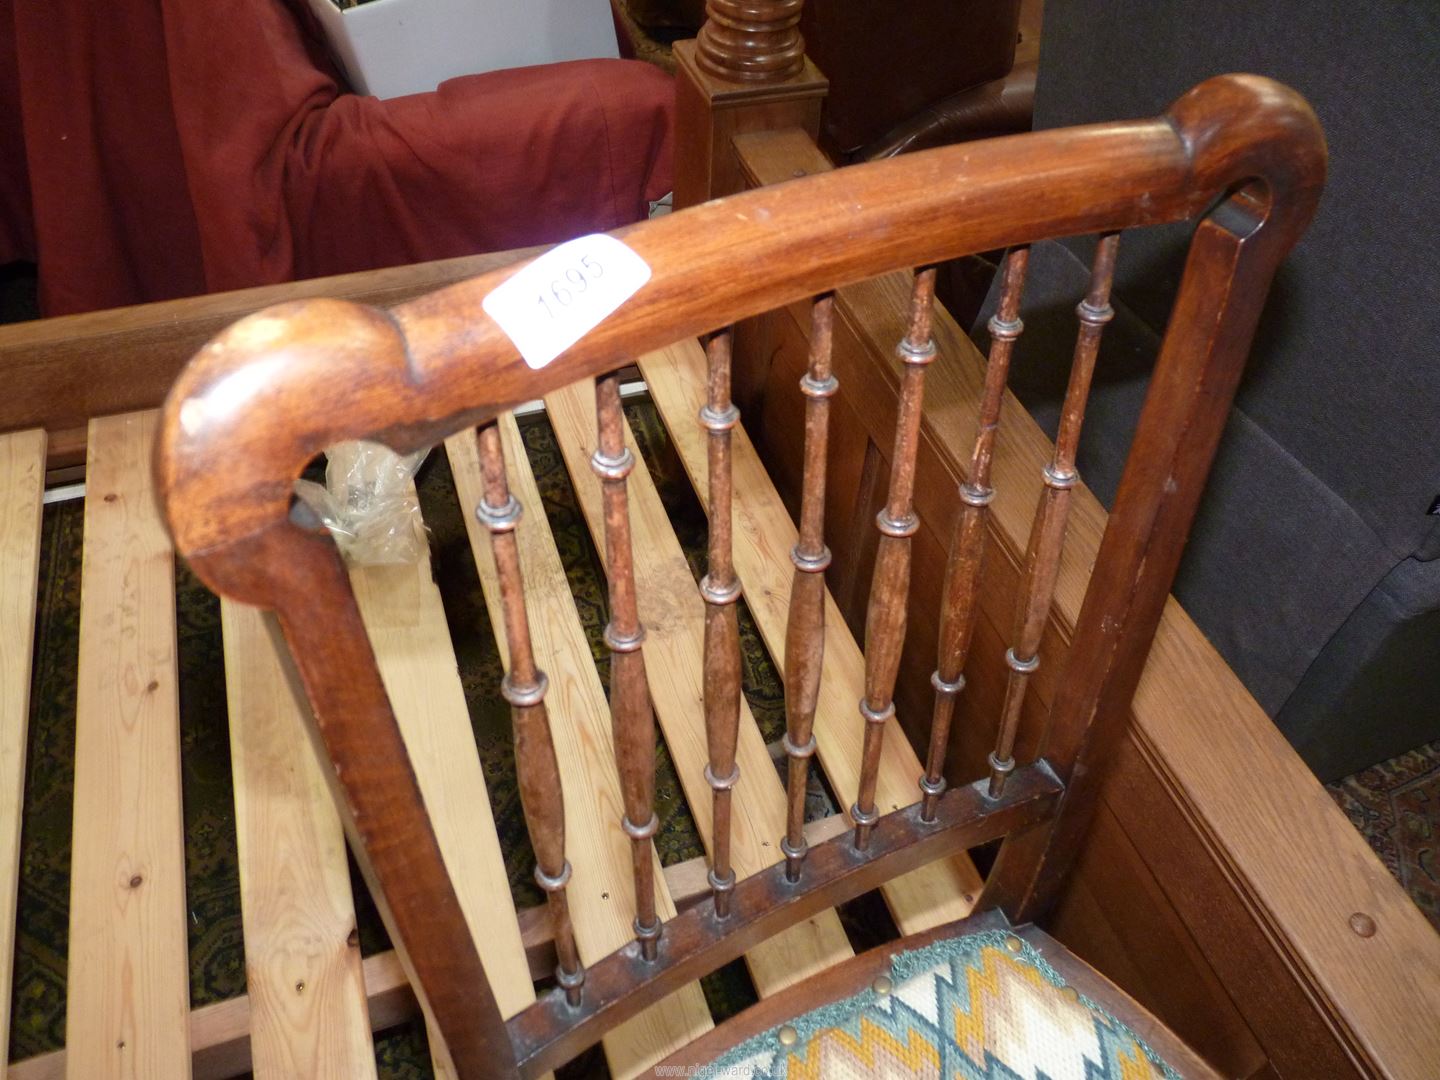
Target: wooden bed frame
(1237, 904)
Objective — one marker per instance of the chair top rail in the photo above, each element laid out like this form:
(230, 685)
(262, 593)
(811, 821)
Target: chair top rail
(267, 395)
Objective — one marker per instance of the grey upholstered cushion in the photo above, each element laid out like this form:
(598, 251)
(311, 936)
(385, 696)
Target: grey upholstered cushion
(1313, 564)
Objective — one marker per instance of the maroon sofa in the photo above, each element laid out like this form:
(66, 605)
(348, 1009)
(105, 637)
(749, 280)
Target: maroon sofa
(159, 148)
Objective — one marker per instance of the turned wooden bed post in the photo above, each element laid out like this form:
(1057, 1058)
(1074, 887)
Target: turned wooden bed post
(746, 71)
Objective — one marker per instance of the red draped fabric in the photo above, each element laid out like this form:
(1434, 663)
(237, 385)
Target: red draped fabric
(162, 148)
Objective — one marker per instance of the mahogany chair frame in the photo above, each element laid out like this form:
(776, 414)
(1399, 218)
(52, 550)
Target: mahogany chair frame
(434, 365)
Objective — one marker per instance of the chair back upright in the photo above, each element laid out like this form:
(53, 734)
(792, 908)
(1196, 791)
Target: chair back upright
(1241, 153)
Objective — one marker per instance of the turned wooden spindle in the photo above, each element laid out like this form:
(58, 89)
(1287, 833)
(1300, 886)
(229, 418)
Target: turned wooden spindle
(721, 589)
(1047, 531)
(632, 717)
(890, 585)
(524, 688)
(805, 626)
(752, 40)
(960, 593)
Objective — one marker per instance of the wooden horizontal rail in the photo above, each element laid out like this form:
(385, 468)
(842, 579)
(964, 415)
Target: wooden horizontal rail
(551, 1032)
(62, 372)
(688, 884)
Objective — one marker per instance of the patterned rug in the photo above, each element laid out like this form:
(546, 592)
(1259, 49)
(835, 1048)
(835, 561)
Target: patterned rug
(1396, 806)
(975, 1007)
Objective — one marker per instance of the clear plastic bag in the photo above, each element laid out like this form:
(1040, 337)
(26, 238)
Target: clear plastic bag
(368, 503)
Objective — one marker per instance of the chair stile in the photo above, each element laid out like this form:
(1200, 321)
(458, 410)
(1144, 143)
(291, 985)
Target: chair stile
(428, 369)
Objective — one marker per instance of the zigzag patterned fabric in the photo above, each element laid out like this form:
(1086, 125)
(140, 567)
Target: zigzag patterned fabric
(983, 1007)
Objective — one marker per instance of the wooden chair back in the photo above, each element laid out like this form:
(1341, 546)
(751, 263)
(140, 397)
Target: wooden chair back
(1242, 154)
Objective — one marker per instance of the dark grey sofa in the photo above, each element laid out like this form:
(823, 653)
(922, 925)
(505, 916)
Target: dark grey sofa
(1314, 565)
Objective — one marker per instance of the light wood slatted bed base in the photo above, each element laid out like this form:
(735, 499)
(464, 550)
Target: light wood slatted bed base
(312, 1003)
(128, 990)
(302, 955)
(22, 485)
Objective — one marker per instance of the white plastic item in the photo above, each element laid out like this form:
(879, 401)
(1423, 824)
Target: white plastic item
(394, 47)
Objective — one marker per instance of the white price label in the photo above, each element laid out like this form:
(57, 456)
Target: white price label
(564, 294)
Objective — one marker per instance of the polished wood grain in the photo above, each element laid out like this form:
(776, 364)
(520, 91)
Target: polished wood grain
(754, 40)
(302, 949)
(127, 982)
(674, 613)
(22, 483)
(599, 892)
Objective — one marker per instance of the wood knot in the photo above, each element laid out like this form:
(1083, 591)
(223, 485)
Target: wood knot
(153, 685)
(300, 986)
(111, 497)
(136, 881)
(353, 939)
(1362, 924)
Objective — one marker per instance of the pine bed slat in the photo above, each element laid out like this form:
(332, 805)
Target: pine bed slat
(308, 1014)
(764, 534)
(128, 1007)
(405, 618)
(674, 616)
(600, 889)
(22, 486)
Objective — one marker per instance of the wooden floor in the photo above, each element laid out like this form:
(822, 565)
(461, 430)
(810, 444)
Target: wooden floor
(312, 1003)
